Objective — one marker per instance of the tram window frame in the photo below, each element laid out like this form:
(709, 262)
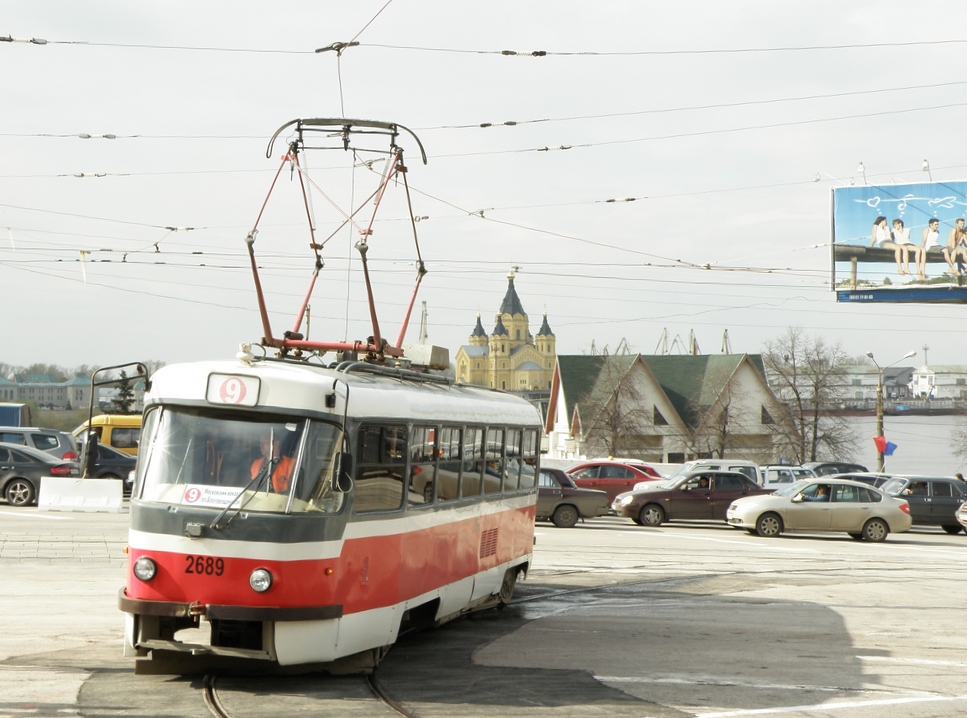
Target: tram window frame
(514, 457)
(530, 450)
(494, 462)
(422, 457)
(450, 450)
(472, 457)
(382, 451)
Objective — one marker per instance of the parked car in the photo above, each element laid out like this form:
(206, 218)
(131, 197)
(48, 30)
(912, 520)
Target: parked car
(697, 495)
(870, 479)
(933, 500)
(823, 504)
(113, 464)
(610, 476)
(21, 468)
(749, 468)
(829, 468)
(781, 474)
(59, 444)
(559, 500)
(961, 515)
(121, 431)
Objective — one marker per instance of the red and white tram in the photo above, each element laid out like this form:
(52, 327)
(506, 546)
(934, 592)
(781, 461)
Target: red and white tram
(408, 500)
(297, 513)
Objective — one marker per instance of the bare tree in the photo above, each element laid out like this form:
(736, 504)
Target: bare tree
(615, 412)
(719, 425)
(808, 376)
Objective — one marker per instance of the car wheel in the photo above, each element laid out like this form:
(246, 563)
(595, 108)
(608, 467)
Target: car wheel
(769, 525)
(875, 530)
(952, 529)
(565, 516)
(19, 492)
(651, 515)
(856, 537)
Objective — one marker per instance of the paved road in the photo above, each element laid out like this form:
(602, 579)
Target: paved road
(614, 620)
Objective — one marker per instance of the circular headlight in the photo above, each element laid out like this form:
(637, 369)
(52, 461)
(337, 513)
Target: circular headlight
(260, 580)
(145, 568)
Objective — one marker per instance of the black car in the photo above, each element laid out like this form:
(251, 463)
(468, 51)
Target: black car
(704, 495)
(933, 500)
(114, 464)
(828, 468)
(561, 501)
(21, 469)
(870, 479)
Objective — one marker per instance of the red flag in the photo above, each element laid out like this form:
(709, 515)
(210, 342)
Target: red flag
(880, 442)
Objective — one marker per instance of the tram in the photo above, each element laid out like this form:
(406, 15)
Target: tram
(300, 512)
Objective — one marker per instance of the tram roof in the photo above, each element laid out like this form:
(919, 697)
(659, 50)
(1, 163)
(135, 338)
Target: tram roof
(288, 386)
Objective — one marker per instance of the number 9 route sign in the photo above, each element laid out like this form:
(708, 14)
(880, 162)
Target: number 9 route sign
(233, 389)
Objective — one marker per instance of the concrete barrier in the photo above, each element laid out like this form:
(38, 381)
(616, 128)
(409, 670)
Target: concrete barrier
(58, 493)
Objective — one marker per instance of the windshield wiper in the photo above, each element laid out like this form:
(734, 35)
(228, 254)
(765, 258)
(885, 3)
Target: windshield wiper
(263, 473)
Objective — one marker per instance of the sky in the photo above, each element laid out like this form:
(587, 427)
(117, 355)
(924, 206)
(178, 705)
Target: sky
(651, 169)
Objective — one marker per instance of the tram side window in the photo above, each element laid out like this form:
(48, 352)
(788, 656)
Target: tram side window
(320, 464)
(494, 466)
(512, 472)
(423, 454)
(450, 449)
(530, 448)
(473, 462)
(380, 466)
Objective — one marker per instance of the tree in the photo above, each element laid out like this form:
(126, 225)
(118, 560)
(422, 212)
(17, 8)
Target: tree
(125, 396)
(808, 376)
(614, 411)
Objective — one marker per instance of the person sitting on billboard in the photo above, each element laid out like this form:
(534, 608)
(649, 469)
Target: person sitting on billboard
(901, 237)
(931, 243)
(881, 237)
(956, 247)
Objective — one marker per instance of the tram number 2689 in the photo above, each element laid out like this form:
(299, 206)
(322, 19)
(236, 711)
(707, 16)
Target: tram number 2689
(204, 565)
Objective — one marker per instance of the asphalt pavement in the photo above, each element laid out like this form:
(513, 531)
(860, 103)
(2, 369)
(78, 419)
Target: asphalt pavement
(614, 620)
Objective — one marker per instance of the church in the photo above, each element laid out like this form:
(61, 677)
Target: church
(510, 358)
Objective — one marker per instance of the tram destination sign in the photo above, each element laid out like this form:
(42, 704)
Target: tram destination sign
(900, 243)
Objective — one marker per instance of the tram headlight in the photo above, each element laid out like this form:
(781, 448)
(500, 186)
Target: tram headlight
(145, 569)
(260, 580)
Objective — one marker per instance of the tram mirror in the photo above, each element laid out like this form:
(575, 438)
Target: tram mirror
(344, 479)
(90, 454)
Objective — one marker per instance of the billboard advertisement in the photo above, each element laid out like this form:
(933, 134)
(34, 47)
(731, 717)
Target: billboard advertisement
(900, 242)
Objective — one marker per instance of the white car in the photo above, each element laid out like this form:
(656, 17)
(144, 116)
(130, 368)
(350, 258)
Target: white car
(822, 504)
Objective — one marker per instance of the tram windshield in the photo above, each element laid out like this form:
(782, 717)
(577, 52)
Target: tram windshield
(255, 462)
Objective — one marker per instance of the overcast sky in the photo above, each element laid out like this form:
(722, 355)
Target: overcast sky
(715, 117)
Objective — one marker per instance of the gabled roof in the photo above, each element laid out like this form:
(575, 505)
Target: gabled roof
(475, 351)
(692, 383)
(580, 377)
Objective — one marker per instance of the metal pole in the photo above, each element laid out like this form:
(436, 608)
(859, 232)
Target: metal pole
(879, 418)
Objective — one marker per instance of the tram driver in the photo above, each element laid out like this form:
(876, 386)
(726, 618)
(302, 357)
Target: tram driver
(283, 464)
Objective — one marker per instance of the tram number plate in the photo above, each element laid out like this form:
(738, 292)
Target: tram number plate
(204, 565)
(233, 389)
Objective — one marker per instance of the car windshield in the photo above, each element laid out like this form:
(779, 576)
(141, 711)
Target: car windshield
(893, 486)
(791, 489)
(258, 462)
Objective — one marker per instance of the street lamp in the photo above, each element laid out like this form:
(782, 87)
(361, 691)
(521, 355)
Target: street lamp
(879, 400)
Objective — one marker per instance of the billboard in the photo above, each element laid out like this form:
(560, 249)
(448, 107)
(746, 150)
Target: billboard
(900, 242)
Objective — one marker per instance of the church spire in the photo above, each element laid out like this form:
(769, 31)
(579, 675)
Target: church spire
(511, 304)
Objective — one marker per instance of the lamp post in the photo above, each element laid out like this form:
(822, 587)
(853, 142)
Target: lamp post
(879, 400)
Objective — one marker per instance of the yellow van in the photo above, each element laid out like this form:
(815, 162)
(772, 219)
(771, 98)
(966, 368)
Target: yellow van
(123, 432)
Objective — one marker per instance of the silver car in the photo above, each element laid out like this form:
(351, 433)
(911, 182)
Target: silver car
(822, 504)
